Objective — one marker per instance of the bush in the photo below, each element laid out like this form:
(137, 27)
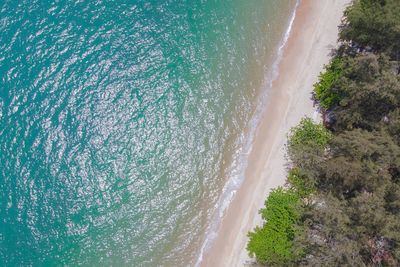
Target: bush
(272, 243)
(323, 90)
(300, 183)
(306, 145)
(355, 184)
(308, 133)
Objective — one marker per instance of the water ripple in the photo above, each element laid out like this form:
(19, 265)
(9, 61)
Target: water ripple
(119, 123)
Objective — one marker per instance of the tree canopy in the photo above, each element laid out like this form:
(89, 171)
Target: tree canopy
(272, 243)
(341, 205)
(373, 24)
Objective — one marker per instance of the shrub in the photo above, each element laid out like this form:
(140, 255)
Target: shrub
(272, 243)
(306, 145)
(300, 183)
(323, 90)
(308, 133)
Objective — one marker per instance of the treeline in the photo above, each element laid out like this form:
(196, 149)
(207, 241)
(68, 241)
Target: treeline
(341, 205)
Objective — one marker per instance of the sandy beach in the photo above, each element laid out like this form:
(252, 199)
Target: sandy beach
(314, 34)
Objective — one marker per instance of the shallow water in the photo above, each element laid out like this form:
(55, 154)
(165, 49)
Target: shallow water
(121, 121)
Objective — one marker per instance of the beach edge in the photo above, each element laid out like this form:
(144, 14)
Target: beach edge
(314, 34)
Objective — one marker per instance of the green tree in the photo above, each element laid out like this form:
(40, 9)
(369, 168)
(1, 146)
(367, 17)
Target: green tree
(349, 179)
(306, 146)
(374, 24)
(369, 90)
(308, 133)
(329, 238)
(358, 160)
(324, 92)
(300, 183)
(272, 243)
(392, 123)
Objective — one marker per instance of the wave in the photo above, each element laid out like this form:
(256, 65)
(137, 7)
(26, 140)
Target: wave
(240, 162)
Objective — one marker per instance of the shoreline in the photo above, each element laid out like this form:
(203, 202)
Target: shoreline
(232, 185)
(314, 33)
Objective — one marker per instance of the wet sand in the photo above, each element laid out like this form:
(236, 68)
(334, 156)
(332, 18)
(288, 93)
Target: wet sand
(313, 35)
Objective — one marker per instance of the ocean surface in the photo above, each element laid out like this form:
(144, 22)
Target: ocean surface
(124, 125)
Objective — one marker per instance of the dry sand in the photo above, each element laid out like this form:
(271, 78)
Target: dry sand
(314, 34)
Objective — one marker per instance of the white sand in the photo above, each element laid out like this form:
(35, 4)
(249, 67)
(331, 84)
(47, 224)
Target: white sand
(314, 34)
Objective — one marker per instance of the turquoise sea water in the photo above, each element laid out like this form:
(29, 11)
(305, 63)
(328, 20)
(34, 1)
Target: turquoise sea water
(121, 121)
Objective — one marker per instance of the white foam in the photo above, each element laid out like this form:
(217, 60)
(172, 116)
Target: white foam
(241, 155)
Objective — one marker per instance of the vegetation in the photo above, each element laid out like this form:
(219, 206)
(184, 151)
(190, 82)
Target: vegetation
(324, 89)
(369, 91)
(308, 133)
(341, 206)
(272, 244)
(373, 25)
(299, 183)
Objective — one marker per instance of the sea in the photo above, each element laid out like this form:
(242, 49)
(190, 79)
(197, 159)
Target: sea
(125, 125)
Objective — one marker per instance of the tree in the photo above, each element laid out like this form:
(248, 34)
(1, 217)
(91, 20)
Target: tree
(306, 146)
(272, 243)
(342, 205)
(300, 183)
(368, 90)
(324, 91)
(392, 123)
(359, 160)
(373, 24)
(328, 238)
(308, 133)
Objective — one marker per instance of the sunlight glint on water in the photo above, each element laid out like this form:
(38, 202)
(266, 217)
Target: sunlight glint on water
(119, 123)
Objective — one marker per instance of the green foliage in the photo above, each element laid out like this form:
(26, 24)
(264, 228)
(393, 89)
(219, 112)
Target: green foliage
(272, 243)
(359, 161)
(392, 123)
(374, 24)
(328, 240)
(369, 89)
(300, 183)
(308, 133)
(306, 146)
(350, 177)
(323, 90)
